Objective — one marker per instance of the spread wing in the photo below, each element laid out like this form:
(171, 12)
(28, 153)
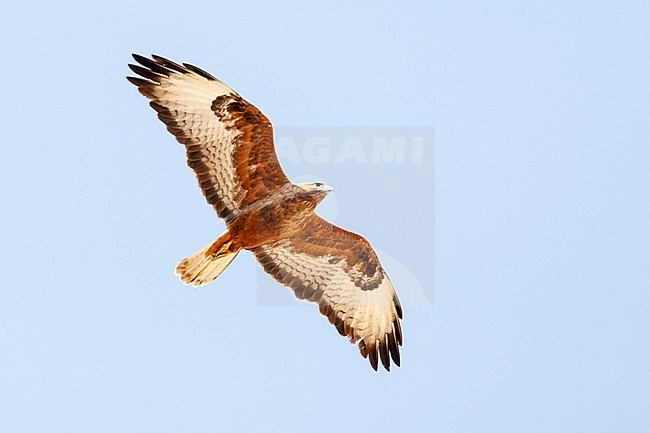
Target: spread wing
(339, 270)
(229, 142)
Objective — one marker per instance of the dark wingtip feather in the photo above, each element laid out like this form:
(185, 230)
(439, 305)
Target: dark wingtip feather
(383, 354)
(362, 349)
(398, 331)
(169, 64)
(137, 81)
(372, 355)
(200, 71)
(393, 349)
(340, 326)
(146, 73)
(140, 59)
(398, 306)
(156, 67)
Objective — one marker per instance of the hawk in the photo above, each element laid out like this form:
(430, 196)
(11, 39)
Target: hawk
(229, 146)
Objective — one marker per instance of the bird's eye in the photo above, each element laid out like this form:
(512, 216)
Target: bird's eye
(319, 184)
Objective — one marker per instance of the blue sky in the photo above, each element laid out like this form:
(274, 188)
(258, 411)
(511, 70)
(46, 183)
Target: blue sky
(521, 241)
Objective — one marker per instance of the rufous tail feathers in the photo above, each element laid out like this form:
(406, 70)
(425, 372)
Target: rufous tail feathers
(207, 264)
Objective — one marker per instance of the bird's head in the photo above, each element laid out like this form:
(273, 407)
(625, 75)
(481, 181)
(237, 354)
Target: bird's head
(316, 191)
(316, 187)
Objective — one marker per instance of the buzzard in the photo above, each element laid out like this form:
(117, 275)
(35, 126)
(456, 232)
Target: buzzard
(230, 148)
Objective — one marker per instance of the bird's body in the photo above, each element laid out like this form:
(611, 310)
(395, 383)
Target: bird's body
(229, 146)
(274, 217)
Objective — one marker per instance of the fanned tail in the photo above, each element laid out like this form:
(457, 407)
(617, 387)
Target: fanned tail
(207, 264)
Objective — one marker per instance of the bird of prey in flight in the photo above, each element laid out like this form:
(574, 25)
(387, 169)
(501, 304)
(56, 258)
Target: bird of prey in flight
(229, 146)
